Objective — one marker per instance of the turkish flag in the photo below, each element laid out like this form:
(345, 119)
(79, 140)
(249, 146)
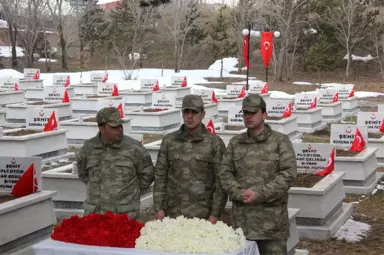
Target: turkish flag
(245, 51)
(156, 87)
(352, 93)
(16, 86)
(105, 79)
(266, 47)
(288, 111)
(214, 99)
(264, 90)
(382, 126)
(330, 165)
(211, 128)
(37, 75)
(184, 83)
(27, 184)
(115, 91)
(66, 97)
(121, 110)
(51, 124)
(67, 81)
(242, 92)
(358, 143)
(314, 104)
(336, 98)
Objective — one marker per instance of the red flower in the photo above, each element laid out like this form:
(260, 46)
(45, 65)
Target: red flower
(113, 230)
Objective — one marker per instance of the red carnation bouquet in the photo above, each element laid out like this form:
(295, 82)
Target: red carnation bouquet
(113, 230)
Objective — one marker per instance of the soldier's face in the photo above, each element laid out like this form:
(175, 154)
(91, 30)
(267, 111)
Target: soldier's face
(254, 119)
(192, 119)
(112, 134)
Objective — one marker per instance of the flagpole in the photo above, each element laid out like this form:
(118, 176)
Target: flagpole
(249, 44)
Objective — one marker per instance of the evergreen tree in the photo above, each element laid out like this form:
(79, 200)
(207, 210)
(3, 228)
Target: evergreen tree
(220, 43)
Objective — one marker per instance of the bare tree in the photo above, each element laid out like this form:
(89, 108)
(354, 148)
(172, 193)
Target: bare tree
(180, 17)
(131, 23)
(30, 26)
(378, 46)
(10, 10)
(352, 21)
(60, 11)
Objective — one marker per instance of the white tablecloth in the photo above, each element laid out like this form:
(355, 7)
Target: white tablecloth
(51, 247)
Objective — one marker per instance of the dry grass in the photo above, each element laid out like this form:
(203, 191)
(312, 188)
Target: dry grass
(149, 138)
(369, 210)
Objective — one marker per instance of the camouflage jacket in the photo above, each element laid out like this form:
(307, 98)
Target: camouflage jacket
(266, 164)
(186, 175)
(115, 174)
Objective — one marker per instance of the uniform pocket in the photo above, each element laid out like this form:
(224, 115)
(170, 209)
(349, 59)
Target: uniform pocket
(93, 170)
(202, 169)
(271, 161)
(125, 168)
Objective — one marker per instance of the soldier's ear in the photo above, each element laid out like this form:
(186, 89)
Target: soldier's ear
(202, 114)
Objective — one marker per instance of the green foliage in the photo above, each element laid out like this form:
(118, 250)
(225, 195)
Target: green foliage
(196, 32)
(220, 43)
(320, 56)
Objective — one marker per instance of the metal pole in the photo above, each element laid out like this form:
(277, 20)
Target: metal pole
(266, 74)
(249, 44)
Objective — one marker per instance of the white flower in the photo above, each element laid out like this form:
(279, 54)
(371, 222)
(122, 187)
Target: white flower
(182, 235)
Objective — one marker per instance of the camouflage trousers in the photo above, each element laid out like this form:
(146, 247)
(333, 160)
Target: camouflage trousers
(272, 247)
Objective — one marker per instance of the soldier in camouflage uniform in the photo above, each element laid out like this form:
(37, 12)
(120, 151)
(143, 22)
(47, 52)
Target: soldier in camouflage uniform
(115, 168)
(257, 170)
(186, 172)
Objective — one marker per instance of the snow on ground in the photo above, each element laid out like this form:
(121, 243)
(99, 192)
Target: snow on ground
(304, 83)
(6, 73)
(352, 231)
(281, 95)
(43, 60)
(358, 58)
(6, 51)
(229, 65)
(362, 94)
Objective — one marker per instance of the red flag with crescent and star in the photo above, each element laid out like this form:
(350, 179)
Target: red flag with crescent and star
(330, 165)
(266, 47)
(382, 126)
(27, 184)
(245, 51)
(211, 128)
(358, 143)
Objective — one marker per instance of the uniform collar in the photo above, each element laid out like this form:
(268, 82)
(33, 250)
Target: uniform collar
(182, 134)
(248, 138)
(103, 144)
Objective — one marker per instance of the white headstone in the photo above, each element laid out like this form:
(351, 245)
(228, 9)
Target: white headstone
(342, 135)
(163, 100)
(8, 83)
(1, 131)
(37, 118)
(53, 93)
(98, 77)
(344, 91)
(147, 84)
(235, 117)
(256, 86)
(102, 103)
(234, 90)
(303, 100)
(312, 157)
(177, 80)
(12, 168)
(206, 94)
(277, 107)
(372, 120)
(327, 95)
(380, 108)
(105, 89)
(29, 73)
(61, 80)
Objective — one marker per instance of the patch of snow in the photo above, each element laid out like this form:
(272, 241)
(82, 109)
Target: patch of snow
(7, 73)
(310, 31)
(3, 23)
(107, 1)
(358, 58)
(229, 65)
(303, 83)
(281, 95)
(362, 94)
(6, 52)
(379, 186)
(43, 60)
(374, 192)
(352, 231)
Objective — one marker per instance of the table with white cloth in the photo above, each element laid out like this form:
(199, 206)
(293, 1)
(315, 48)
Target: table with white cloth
(52, 247)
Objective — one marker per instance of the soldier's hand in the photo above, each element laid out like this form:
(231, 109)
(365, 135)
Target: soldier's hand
(212, 219)
(160, 215)
(248, 196)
